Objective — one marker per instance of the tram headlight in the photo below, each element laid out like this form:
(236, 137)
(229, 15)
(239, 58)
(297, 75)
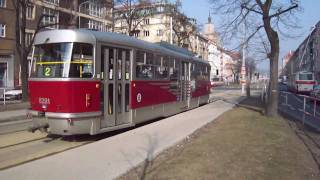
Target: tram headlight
(44, 107)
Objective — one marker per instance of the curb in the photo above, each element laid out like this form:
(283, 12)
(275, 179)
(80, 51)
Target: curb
(16, 118)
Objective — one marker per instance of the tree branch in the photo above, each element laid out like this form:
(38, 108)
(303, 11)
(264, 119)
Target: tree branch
(243, 6)
(284, 11)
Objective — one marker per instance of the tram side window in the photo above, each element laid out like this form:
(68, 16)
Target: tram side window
(207, 72)
(127, 65)
(173, 69)
(81, 65)
(161, 67)
(193, 72)
(198, 72)
(144, 66)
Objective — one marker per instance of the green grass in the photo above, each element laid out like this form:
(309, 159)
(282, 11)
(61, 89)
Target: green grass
(240, 144)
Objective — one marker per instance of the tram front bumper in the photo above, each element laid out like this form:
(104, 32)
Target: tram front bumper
(61, 126)
(39, 123)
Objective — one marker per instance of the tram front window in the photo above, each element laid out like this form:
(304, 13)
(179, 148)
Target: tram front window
(63, 60)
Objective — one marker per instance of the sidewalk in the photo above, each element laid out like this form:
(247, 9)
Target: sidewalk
(13, 105)
(109, 158)
(13, 110)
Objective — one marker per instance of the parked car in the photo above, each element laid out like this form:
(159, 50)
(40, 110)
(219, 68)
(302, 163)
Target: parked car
(15, 94)
(216, 82)
(315, 93)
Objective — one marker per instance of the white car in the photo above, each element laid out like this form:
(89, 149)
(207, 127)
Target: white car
(12, 94)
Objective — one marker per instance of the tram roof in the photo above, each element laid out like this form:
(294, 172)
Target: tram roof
(90, 36)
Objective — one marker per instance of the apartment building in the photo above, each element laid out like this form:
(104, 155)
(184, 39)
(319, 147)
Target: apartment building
(160, 21)
(307, 56)
(7, 43)
(45, 15)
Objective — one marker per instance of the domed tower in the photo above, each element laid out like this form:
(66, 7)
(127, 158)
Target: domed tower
(214, 54)
(209, 31)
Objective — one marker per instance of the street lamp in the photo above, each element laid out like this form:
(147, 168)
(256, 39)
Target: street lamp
(243, 67)
(79, 11)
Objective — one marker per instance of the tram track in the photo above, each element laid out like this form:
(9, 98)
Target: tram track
(14, 126)
(20, 143)
(21, 147)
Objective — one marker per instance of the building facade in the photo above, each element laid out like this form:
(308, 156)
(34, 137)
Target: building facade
(161, 21)
(45, 15)
(7, 43)
(222, 61)
(307, 56)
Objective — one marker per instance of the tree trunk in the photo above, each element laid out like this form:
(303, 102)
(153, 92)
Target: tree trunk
(21, 46)
(248, 83)
(24, 76)
(24, 54)
(72, 24)
(248, 88)
(273, 38)
(272, 104)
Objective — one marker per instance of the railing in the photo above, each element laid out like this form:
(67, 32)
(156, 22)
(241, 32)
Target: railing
(4, 94)
(298, 106)
(306, 105)
(4, 90)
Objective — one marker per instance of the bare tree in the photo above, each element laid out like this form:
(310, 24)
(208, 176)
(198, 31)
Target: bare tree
(275, 18)
(250, 69)
(183, 27)
(133, 12)
(22, 48)
(236, 70)
(72, 23)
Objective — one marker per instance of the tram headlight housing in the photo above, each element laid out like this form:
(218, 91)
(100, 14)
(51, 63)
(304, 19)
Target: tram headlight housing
(44, 107)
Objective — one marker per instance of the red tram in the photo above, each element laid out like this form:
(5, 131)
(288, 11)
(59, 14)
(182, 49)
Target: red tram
(89, 82)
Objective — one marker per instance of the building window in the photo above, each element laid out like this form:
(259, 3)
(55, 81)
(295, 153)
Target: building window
(159, 32)
(92, 24)
(3, 74)
(160, 9)
(146, 21)
(2, 30)
(136, 34)
(134, 23)
(97, 10)
(51, 18)
(146, 33)
(55, 2)
(29, 36)
(30, 11)
(3, 3)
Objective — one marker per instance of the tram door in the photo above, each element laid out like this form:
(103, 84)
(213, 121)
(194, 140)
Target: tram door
(185, 83)
(116, 84)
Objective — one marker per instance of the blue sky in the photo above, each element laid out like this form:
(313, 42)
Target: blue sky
(310, 15)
